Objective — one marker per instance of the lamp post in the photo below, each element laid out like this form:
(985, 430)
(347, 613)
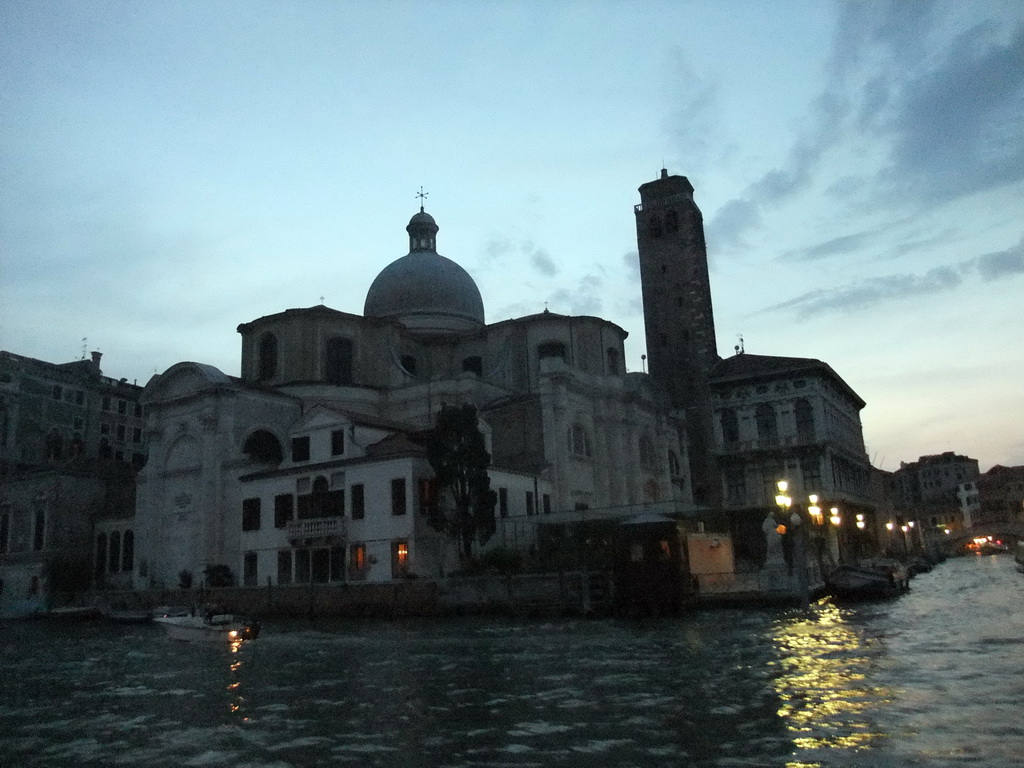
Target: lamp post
(798, 551)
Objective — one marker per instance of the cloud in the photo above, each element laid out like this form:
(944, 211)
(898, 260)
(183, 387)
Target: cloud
(873, 291)
(1008, 263)
(929, 122)
(498, 249)
(543, 263)
(833, 247)
(584, 299)
(631, 259)
(958, 128)
(727, 229)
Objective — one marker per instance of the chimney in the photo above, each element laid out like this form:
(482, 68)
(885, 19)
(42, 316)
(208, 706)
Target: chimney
(96, 360)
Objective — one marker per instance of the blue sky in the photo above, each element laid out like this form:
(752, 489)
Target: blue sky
(170, 170)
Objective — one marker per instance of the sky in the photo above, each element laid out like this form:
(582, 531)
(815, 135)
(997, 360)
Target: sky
(170, 170)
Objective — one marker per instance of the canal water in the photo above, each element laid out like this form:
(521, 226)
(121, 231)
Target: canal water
(933, 678)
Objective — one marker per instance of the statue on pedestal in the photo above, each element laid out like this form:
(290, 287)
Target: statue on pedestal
(773, 541)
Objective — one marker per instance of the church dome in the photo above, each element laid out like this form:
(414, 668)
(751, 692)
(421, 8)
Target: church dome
(423, 290)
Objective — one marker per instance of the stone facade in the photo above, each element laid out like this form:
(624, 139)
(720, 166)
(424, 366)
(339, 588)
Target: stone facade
(567, 428)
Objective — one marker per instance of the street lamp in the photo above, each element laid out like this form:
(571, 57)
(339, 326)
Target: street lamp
(798, 552)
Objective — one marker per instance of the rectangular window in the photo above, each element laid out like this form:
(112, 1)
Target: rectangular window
(136, 435)
(300, 448)
(321, 565)
(120, 433)
(284, 509)
(106, 403)
(5, 529)
(529, 503)
(250, 514)
(356, 560)
(38, 534)
(358, 502)
(284, 566)
(122, 407)
(427, 495)
(398, 496)
(503, 502)
(79, 397)
(547, 503)
(337, 563)
(337, 442)
(249, 576)
(399, 558)
(138, 411)
(56, 391)
(302, 574)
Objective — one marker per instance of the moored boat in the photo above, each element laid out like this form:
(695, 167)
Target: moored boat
(854, 582)
(209, 628)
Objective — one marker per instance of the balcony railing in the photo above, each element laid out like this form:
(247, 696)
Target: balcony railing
(316, 528)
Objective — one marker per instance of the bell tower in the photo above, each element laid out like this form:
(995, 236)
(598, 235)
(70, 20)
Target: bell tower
(678, 316)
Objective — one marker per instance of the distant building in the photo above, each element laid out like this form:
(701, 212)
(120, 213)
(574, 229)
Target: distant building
(795, 419)
(70, 441)
(1000, 495)
(52, 412)
(938, 491)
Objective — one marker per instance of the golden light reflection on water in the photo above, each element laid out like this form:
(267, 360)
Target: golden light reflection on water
(826, 701)
(235, 686)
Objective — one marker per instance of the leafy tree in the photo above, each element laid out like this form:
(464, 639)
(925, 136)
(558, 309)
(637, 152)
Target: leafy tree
(456, 452)
(218, 576)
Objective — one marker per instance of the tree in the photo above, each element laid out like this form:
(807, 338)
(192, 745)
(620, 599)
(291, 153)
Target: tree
(456, 452)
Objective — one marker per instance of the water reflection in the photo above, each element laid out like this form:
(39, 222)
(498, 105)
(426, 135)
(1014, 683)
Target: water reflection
(827, 698)
(235, 682)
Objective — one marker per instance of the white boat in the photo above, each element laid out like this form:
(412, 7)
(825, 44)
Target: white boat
(210, 628)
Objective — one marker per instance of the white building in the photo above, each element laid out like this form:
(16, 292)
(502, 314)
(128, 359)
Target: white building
(310, 466)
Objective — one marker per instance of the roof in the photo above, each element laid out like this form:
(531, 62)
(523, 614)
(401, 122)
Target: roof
(746, 366)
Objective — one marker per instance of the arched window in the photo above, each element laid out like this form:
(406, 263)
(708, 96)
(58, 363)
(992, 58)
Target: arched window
(730, 426)
(128, 552)
(115, 552)
(579, 441)
(804, 414)
(767, 427)
(652, 491)
(101, 555)
(338, 361)
(612, 355)
(674, 467)
(54, 445)
(648, 459)
(551, 349)
(409, 364)
(262, 446)
(267, 365)
(473, 364)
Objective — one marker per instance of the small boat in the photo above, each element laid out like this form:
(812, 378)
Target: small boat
(73, 613)
(854, 582)
(209, 628)
(127, 616)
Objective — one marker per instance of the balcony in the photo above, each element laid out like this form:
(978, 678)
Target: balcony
(317, 529)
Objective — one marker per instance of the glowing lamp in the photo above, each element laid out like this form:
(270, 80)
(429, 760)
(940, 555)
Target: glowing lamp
(890, 525)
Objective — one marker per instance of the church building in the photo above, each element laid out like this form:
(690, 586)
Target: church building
(310, 466)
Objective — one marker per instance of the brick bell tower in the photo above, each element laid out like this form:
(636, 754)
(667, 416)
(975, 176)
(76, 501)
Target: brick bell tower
(678, 317)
